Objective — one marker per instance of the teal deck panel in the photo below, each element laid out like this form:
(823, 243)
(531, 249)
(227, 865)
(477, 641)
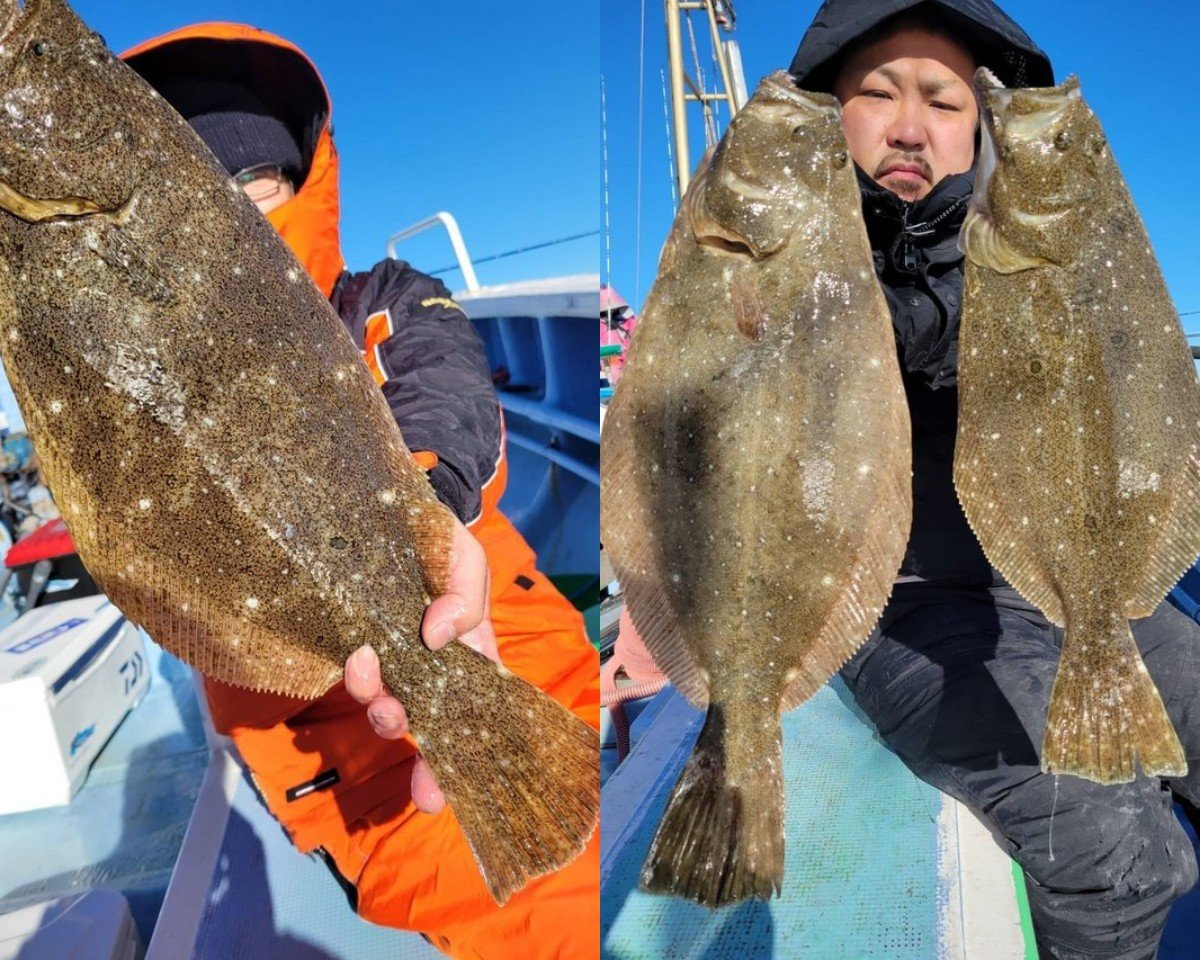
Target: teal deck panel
(265, 899)
(861, 876)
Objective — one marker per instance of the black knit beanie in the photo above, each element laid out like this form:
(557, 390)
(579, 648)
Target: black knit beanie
(235, 123)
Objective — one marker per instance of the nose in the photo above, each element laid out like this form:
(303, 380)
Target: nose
(906, 130)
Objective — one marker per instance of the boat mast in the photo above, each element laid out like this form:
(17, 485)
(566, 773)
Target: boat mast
(684, 89)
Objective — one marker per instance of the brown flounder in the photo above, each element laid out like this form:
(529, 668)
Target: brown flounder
(230, 474)
(756, 493)
(1079, 419)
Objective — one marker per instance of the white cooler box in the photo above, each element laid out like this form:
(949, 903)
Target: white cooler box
(69, 672)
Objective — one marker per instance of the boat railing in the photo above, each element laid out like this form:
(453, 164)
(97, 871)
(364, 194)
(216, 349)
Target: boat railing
(456, 243)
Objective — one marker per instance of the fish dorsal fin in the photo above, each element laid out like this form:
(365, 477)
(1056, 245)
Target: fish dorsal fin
(165, 603)
(626, 515)
(1010, 550)
(864, 595)
(1175, 551)
(223, 650)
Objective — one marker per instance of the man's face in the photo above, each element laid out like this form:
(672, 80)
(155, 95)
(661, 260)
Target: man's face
(908, 110)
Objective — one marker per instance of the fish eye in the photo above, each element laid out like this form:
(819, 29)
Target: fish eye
(1064, 139)
(1035, 366)
(1097, 142)
(40, 48)
(839, 159)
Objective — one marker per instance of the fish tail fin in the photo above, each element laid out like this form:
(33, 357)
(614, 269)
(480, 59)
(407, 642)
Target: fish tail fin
(721, 838)
(1105, 711)
(520, 771)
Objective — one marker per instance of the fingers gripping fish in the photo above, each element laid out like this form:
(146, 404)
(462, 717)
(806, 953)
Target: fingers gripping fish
(230, 474)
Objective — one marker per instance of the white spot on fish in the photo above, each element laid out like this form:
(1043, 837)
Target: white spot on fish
(56, 406)
(387, 496)
(293, 274)
(144, 503)
(252, 603)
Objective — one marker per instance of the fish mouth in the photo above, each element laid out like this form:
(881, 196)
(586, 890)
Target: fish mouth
(985, 82)
(36, 210)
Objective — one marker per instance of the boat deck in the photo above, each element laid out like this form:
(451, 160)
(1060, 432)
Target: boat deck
(892, 869)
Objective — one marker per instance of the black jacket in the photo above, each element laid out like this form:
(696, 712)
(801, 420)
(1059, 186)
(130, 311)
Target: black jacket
(915, 246)
(435, 376)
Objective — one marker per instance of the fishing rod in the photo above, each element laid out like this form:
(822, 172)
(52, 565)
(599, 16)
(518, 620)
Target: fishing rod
(513, 253)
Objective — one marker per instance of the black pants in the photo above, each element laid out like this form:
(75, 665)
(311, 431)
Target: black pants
(958, 683)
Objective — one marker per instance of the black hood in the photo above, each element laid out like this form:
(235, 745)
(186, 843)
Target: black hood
(996, 41)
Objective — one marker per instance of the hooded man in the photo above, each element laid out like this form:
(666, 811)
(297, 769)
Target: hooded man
(367, 805)
(957, 675)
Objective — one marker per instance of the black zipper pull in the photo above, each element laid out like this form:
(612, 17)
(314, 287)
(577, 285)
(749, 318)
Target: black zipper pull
(908, 252)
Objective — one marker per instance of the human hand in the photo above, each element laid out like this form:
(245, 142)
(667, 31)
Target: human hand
(461, 612)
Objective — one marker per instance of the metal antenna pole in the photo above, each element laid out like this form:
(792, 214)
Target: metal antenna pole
(685, 89)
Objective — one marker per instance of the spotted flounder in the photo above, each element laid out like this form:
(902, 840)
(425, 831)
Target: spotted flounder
(756, 490)
(1079, 419)
(230, 474)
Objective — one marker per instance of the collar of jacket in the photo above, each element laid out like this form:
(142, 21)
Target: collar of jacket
(915, 235)
(308, 222)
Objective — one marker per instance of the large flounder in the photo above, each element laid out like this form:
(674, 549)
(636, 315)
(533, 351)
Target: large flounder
(756, 493)
(1079, 419)
(230, 474)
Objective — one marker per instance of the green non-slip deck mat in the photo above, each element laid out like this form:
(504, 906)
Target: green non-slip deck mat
(861, 879)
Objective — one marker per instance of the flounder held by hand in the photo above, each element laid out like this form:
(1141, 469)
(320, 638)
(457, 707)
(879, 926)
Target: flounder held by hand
(756, 492)
(1079, 419)
(231, 475)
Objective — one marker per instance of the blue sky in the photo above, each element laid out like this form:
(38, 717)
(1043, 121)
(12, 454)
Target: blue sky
(484, 109)
(1134, 67)
(488, 110)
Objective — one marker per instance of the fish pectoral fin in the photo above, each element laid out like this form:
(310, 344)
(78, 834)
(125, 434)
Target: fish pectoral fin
(1105, 712)
(983, 245)
(35, 210)
(749, 316)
